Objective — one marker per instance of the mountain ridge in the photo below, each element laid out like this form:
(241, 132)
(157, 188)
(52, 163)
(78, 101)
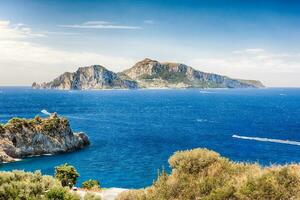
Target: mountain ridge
(146, 73)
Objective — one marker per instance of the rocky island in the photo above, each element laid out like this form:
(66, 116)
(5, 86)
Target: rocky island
(20, 138)
(144, 74)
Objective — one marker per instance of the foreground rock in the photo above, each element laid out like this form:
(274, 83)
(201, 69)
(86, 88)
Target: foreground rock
(144, 74)
(21, 138)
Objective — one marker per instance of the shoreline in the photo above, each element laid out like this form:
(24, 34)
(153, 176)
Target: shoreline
(104, 194)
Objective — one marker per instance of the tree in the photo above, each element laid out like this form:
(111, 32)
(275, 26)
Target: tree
(91, 184)
(66, 174)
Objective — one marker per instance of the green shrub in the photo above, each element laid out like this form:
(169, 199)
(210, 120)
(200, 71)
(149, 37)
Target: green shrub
(60, 193)
(204, 174)
(20, 185)
(91, 184)
(66, 174)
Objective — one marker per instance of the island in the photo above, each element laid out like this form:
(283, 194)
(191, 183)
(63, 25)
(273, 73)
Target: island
(147, 73)
(20, 138)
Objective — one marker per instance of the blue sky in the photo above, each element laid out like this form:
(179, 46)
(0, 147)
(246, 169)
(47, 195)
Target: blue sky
(246, 39)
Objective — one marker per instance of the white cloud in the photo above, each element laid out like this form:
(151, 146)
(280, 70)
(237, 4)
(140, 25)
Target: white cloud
(16, 31)
(23, 62)
(99, 25)
(274, 69)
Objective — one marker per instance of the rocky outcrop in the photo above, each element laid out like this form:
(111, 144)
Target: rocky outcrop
(151, 73)
(21, 138)
(91, 77)
(144, 74)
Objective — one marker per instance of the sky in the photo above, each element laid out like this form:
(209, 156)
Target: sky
(41, 39)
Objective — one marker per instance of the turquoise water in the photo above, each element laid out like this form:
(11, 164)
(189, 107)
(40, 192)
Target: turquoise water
(133, 132)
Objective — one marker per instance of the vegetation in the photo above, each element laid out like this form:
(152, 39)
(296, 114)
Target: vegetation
(91, 184)
(59, 193)
(66, 174)
(47, 125)
(203, 174)
(2, 130)
(20, 185)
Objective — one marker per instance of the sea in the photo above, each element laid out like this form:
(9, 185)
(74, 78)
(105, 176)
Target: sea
(134, 132)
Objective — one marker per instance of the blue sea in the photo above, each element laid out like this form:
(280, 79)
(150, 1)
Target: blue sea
(133, 132)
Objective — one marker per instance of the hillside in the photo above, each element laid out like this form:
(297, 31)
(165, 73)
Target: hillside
(151, 74)
(144, 74)
(91, 77)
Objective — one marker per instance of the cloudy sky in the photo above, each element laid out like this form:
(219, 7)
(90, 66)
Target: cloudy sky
(244, 39)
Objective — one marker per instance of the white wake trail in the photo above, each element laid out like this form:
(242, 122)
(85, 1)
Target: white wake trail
(45, 112)
(267, 140)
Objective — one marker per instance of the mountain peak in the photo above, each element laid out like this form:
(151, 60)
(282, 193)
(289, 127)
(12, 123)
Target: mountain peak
(148, 60)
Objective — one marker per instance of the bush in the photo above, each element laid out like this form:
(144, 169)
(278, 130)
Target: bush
(20, 185)
(91, 184)
(204, 174)
(66, 174)
(59, 193)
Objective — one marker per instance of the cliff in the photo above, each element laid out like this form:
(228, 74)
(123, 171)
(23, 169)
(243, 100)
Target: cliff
(91, 77)
(144, 74)
(151, 73)
(21, 138)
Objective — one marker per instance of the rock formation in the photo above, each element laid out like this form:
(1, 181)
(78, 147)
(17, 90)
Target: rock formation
(92, 77)
(21, 138)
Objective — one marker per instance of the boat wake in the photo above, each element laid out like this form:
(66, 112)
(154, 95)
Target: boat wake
(45, 112)
(267, 140)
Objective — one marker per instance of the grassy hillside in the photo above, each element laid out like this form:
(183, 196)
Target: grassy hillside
(203, 174)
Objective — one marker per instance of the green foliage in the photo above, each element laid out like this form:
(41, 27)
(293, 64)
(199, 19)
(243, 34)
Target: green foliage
(66, 174)
(60, 193)
(47, 125)
(53, 124)
(20, 185)
(171, 77)
(37, 120)
(91, 184)
(204, 174)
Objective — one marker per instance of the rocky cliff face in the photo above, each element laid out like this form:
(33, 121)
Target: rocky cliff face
(151, 73)
(92, 77)
(20, 138)
(144, 74)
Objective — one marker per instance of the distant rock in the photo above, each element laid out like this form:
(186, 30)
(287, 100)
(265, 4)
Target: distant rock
(153, 74)
(91, 77)
(144, 74)
(21, 138)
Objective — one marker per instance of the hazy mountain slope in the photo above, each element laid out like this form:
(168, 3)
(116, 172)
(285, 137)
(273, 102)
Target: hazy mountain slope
(91, 77)
(151, 73)
(144, 74)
